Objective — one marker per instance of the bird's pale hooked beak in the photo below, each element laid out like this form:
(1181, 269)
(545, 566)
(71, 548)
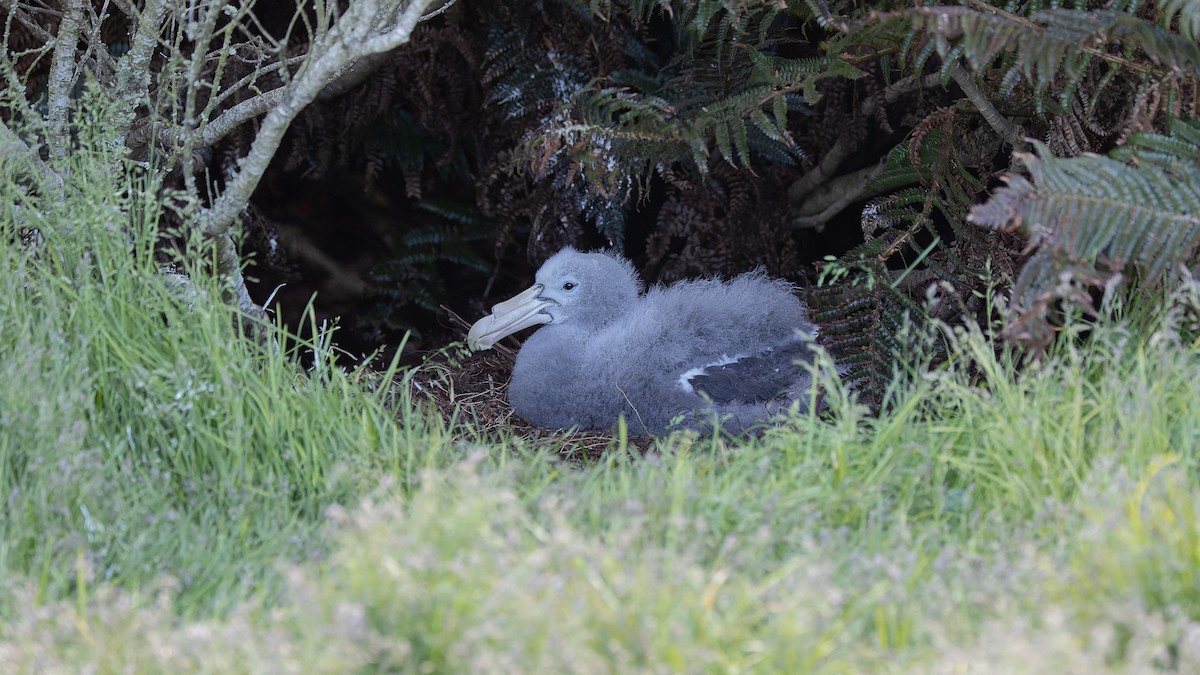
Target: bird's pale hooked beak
(508, 317)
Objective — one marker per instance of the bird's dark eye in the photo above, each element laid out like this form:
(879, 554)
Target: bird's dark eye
(569, 285)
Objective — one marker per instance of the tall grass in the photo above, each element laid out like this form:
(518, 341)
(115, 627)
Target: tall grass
(140, 434)
(179, 497)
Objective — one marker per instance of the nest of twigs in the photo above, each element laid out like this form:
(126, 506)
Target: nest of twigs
(470, 390)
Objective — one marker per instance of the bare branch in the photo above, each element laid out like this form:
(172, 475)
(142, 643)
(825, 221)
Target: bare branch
(11, 145)
(355, 35)
(17, 12)
(237, 115)
(800, 190)
(13, 13)
(343, 280)
(819, 174)
(229, 266)
(96, 52)
(353, 76)
(819, 195)
(223, 53)
(201, 34)
(215, 130)
(256, 75)
(126, 8)
(1013, 133)
(834, 196)
(346, 42)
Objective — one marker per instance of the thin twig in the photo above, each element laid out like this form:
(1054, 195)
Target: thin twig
(466, 326)
(19, 13)
(96, 52)
(14, 80)
(258, 73)
(634, 409)
(202, 34)
(439, 10)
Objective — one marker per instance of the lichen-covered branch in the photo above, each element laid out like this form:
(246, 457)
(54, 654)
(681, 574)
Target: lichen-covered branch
(254, 77)
(133, 70)
(14, 11)
(171, 99)
(63, 68)
(202, 33)
(229, 266)
(238, 115)
(353, 76)
(95, 55)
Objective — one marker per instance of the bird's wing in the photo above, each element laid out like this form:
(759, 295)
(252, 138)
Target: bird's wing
(699, 328)
(754, 378)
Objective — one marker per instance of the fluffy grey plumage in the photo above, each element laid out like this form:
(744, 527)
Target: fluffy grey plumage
(692, 349)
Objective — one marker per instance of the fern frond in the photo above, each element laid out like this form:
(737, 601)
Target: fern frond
(1184, 15)
(523, 83)
(861, 319)
(454, 212)
(1177, 52)
(641, 10)
(899, 170)
(1088, 207)
(1179, 149)
(1052, 47)
(772, 148)
(1094, 216)
(727, 16)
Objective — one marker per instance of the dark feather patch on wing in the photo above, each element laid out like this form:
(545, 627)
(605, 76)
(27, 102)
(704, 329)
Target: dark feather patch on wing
(755, 378)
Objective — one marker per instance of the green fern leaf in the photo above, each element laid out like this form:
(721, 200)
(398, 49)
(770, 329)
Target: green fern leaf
(767, 126)
(1181, 146)
(1050, 48)
(772, 150)
(1184, 14)
(1089, 208)
(721, 134)
(779, 108)
(738, 127)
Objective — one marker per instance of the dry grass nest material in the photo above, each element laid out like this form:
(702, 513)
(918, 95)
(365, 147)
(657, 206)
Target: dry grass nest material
(470, 389)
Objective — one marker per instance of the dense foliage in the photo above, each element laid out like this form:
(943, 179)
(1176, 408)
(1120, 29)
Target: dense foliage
(710, 137)
(852, 143)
